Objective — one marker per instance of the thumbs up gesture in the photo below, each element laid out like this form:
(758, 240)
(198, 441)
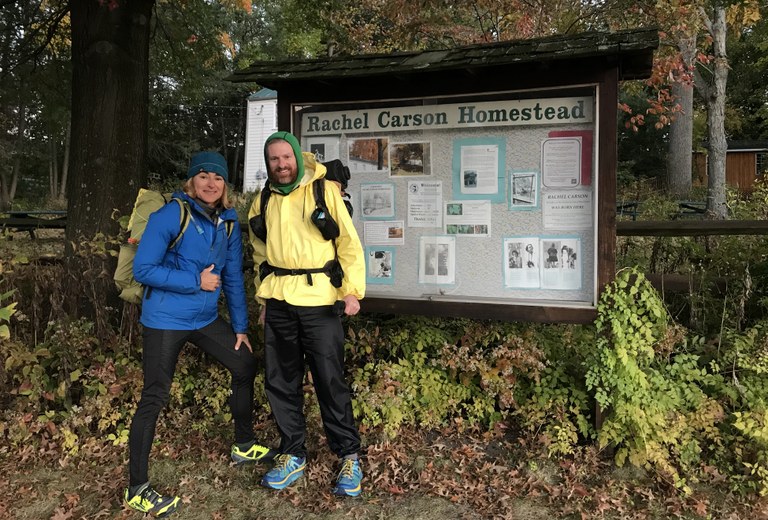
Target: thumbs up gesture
(208, 280)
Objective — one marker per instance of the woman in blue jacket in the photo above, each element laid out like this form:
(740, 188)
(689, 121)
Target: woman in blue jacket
(183, 284)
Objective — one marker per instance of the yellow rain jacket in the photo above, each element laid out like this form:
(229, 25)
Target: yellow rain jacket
(294, 242)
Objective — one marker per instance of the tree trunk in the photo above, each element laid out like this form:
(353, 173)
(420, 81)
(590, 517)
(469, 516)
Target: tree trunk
(8, 191)
(680, 157)
(110, 97)
(237, 178)
(65, 164)
(15, 179)
(5, 200)
(53, 169)
(718, 146)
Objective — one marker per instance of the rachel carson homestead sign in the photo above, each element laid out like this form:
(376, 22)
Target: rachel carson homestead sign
(517, 112)
(484, 174)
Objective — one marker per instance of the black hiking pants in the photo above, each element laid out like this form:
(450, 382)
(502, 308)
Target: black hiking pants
(161, 351)
(291, 335)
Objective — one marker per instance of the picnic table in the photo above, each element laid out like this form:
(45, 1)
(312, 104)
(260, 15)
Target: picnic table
(627, 208)
(687, 209)
(32, 220)
(691, 209)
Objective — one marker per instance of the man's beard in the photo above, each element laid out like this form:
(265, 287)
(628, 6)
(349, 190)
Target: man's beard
(274, 179)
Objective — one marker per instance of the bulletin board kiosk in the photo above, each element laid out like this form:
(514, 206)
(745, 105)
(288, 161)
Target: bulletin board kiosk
(483, 177)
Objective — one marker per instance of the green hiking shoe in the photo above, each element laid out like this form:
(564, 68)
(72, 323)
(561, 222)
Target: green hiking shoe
(149, 501)
(256, 453)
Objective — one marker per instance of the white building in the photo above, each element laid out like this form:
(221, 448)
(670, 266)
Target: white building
(261, 122)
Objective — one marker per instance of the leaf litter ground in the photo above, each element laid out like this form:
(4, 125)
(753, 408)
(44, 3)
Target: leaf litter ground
(419, 475)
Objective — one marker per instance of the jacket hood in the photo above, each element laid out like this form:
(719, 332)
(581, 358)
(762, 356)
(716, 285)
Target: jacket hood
(312, 168)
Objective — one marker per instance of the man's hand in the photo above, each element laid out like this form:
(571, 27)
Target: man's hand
(351, 305)
(243, 339)
(263, 314)
(208, 280)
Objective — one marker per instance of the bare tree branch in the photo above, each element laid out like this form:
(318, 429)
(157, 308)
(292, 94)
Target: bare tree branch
(706, 20)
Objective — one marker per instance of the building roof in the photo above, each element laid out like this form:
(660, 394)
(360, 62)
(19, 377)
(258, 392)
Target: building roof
(631, 50)
(265, 93)
(747, 145)
(743, 145)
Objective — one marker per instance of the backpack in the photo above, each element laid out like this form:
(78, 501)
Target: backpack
(147, 202)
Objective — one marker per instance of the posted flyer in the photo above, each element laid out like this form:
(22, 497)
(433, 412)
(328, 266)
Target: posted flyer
(425, 204)
(568, 209)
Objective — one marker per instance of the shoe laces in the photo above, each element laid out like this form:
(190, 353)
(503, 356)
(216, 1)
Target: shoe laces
(348, 469)
(150, 495)
(283, 461)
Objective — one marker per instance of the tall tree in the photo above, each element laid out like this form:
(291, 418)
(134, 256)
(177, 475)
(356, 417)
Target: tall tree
(717, 17)
(680, 157)
(680, 26)
(110, 77)
(671, 93)
(714, 94)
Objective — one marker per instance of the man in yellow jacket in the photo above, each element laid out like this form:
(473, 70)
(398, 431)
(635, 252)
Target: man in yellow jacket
(311, 271)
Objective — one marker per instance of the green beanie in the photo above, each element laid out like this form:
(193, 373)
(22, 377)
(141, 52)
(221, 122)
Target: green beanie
(290, 139)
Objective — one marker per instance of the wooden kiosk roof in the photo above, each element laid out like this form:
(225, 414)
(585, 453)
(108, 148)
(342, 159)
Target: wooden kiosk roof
(631, 52)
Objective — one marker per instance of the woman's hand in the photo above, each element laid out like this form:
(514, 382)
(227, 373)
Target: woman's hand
(243, 339)
(208, 280)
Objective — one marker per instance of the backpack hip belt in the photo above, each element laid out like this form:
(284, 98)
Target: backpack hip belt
(330, 268)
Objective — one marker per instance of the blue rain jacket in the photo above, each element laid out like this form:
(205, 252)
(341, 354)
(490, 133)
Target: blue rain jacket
(173, 299)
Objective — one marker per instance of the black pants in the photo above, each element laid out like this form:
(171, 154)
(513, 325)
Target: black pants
(291, 334)
(161, 351)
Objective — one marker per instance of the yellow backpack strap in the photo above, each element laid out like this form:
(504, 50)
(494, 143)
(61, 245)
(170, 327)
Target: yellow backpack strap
(229, 225)
(183, 222)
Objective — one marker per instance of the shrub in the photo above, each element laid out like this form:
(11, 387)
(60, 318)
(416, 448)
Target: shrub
(657, 413)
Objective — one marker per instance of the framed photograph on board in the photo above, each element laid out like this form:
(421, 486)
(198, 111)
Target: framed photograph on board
(368, 155)
(380, 265)
(523, 190)
(325, 148)
(411, 159)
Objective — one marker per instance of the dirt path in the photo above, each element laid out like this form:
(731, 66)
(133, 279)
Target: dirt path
(216, 490)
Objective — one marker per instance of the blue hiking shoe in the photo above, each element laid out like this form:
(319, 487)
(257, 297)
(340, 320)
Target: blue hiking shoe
(288, 469)
(348, 483)
(256, 453)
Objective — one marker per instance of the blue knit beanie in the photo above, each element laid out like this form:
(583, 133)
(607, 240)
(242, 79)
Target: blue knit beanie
(212, 162)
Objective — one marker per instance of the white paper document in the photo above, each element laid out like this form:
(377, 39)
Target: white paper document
(425, 204)
(468, 218)
(479, 169)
